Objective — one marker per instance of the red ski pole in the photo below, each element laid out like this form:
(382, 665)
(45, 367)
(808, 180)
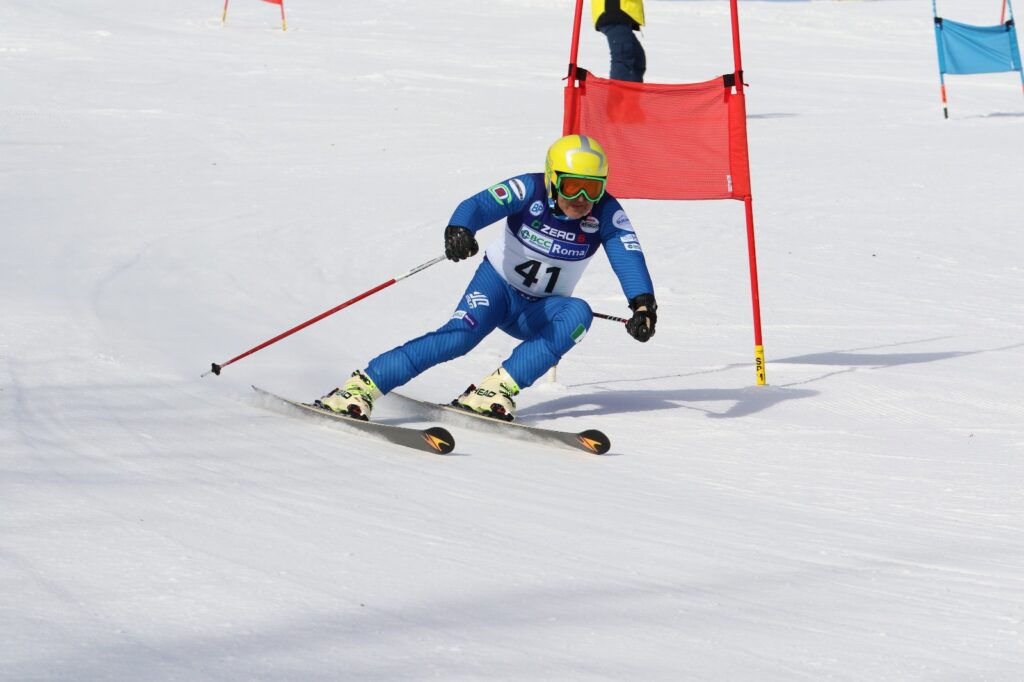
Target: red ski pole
(216, 368)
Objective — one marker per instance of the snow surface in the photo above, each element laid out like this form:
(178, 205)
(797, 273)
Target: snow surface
(174, 192)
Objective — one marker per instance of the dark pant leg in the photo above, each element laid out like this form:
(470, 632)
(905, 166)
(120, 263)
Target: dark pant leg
(629, 61)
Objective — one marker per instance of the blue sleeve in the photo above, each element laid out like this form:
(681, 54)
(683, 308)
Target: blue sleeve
(624, 251)
(494, 203)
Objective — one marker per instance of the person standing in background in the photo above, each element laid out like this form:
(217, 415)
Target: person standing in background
(617, 20)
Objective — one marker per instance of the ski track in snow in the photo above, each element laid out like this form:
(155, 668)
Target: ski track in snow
(175, 191)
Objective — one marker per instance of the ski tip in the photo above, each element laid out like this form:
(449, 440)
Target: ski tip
(594, 441)
(440, 440)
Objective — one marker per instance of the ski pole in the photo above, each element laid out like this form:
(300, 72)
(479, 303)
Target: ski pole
(216, 368)
(611, 317)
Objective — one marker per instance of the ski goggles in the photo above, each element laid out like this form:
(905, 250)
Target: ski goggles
(571, 186)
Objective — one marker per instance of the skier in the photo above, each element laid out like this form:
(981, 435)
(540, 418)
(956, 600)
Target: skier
(556, 221)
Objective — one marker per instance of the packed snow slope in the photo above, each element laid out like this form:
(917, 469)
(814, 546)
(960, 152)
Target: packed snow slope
(174, 192)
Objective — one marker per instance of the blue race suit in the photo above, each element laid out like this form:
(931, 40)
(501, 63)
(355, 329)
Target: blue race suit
(524, 284)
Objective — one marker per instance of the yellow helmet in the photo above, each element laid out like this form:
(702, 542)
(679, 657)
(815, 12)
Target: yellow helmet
(576, 155)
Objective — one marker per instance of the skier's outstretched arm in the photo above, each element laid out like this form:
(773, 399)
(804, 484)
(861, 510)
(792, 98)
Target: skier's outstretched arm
(480, 210)
(627, 260)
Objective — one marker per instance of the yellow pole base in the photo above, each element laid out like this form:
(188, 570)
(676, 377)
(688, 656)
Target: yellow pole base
(759, 365)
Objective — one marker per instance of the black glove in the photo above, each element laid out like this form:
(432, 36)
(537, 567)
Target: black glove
(459, 243)
(645, 316)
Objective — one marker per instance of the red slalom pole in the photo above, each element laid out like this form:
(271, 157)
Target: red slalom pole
(755, 297)
(570, 99)
(216, 368)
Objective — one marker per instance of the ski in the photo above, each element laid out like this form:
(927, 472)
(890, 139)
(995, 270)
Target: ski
(433, 439)
(591, 440)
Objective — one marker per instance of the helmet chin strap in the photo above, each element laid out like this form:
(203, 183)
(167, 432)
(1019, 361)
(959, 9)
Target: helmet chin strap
(556, 210)
(559, 214)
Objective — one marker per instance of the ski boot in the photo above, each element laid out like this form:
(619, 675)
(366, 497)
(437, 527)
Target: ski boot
(493, 398)
(354, 399)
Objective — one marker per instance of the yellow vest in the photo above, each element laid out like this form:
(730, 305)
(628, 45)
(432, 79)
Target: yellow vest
(633, 8)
